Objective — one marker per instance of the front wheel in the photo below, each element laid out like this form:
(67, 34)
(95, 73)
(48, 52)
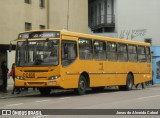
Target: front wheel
(81, 86)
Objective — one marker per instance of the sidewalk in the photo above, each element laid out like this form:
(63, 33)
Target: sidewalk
(22, 93)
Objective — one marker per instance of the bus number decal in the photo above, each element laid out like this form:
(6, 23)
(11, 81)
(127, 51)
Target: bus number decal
(29, 75)
(101, 66)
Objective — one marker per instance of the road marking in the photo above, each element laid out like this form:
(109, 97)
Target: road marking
(65, 98)
(14, 104)
(149, 97)
(43, 100)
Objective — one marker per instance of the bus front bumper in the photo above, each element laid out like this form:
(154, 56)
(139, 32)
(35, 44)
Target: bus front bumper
(39, 83)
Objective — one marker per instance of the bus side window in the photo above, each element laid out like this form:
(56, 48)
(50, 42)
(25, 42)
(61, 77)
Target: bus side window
(141, 54)
(85, 49)
(122, 52)
(148, 55)
(132, 53)
(69, 52)
(99, 50)
(111, 49)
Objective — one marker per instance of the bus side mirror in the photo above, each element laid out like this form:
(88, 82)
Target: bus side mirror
(10, 47)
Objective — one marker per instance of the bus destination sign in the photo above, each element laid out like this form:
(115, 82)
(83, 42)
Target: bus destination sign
(33, 35)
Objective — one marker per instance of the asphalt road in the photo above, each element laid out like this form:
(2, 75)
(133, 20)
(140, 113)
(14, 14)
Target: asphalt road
(148, 98)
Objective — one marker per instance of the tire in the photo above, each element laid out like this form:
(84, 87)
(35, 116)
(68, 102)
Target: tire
(129, 84)
(81, 86)
(45, 91)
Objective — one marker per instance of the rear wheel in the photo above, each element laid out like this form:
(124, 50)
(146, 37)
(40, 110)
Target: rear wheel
(129, 83)
(45, 91)
(81, 86)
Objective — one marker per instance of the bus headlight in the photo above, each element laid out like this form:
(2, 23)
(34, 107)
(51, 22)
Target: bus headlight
(54, 77)
(20, 77)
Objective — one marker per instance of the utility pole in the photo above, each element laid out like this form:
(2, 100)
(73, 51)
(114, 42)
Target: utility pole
(48, 14)
(68, 16)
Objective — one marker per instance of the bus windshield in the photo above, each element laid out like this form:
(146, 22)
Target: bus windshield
(34, 53)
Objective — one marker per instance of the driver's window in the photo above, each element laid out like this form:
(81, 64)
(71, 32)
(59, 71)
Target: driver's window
(69, 52)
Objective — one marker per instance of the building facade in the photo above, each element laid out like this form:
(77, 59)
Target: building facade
(71, 15)
(21, 15)
(126, 19)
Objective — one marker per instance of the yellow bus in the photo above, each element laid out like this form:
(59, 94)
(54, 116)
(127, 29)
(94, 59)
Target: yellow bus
(52, 59)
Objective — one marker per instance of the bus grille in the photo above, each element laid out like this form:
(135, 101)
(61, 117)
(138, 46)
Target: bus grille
(35, 70)
(35, 83)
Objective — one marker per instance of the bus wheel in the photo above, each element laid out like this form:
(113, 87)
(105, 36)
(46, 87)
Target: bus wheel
(129, 82)
(45, 91)
(81, 86)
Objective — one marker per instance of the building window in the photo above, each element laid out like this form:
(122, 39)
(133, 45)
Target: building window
(28, 26)
(42, 3)
(27, 1)
(42, 27)
(101, 15)
(148, 40)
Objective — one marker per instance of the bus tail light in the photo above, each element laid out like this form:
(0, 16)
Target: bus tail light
(54, 77)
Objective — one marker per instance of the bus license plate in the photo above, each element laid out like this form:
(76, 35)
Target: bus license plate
(29, 75)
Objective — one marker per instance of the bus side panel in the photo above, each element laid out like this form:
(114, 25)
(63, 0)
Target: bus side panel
(144, 73)
(133, 67)
(106, 73)
(121, 73)
(111, 69)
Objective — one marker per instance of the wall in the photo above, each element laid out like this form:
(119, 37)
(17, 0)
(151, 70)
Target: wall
(14, 14)
(10, 59)
(140, 18)
(72, 16)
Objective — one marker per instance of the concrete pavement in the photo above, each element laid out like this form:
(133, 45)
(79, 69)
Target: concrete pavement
(22, 93)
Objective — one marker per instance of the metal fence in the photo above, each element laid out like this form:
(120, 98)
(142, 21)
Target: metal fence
(102, 19)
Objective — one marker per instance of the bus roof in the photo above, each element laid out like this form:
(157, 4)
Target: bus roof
(92, 36)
